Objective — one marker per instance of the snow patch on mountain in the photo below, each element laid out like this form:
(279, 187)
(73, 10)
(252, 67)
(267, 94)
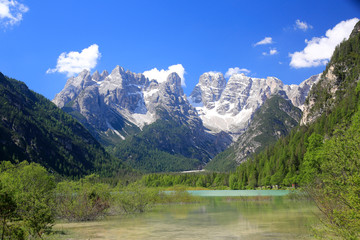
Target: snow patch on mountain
(214, 103)
(230, 106)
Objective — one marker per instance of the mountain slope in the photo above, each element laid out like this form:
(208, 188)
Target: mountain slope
(275, 118)
(32, 128)
(331, 105)
(163, 146)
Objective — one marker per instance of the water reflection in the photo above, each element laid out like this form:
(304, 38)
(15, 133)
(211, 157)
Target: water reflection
(217, 218)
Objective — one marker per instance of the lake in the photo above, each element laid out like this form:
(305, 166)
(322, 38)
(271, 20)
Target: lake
(215, 218)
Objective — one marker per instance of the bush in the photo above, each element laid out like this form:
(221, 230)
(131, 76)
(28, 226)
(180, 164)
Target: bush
(136, 198)
(82, 200)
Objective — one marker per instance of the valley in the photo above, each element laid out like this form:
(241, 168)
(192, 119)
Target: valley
(223, 149)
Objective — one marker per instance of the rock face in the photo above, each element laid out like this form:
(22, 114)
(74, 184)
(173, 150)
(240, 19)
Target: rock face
(230, 107)
(313, 108)
(209, 89)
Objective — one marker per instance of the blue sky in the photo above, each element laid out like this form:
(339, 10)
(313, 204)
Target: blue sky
(43, 42)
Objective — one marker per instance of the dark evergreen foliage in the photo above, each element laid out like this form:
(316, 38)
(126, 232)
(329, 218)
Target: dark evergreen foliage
(151, 149)
(207, 180)
(32, 128)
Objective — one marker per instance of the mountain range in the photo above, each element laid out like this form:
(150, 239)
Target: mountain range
(122, 108)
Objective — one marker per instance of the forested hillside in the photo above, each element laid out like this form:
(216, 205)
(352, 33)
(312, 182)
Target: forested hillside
(332, 102)
(32, 128)
(150, 149)
(275, 118)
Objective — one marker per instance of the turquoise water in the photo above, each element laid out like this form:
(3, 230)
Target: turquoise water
(238, 193)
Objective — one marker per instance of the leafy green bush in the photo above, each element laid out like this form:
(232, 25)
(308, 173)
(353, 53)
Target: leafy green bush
(82, 200)
(27, 200)
(136, 198)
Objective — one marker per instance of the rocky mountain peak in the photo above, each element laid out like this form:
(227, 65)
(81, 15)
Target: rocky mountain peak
(213, 79)
(238, 78)
(104, 74)
(83, 74)
(118, 69)
(235, 94)
(96, 76)
(173, 84)
(73, 87)
(209, 89)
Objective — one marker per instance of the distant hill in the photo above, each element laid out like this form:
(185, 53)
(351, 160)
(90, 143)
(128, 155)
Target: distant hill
(163, 146)
(32, 128)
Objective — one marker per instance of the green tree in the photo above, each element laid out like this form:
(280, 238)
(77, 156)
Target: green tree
(312, 158)
(336, 185)
(7, 211)
(33, 190)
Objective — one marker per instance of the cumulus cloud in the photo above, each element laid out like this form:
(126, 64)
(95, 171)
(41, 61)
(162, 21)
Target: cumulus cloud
(161, 75)
(11, 12)
(302, 25)
(74, 62)
(319, 49)
(266, 40)
(236, 70)
(272, 51)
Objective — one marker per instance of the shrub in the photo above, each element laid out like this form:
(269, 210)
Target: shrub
(82, 200)
(136, 198)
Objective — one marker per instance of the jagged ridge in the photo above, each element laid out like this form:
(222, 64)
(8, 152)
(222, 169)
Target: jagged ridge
(230, 107)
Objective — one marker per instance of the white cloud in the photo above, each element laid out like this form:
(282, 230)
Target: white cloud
(272, 51)
(11, 12)
(266, 40)
(74, 62)
(319, 49)
(302, 25)
(214, 72)
(161, 75)
(236, 70)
